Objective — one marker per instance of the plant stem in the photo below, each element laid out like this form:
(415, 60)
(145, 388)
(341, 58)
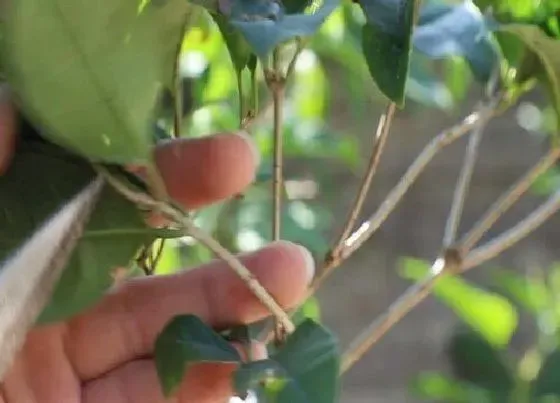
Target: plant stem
(276, 85)
(189, 228)
(462, 187)
(398, 310)
(507, 200)
(381, 134)
(241, 100)
(509, 238)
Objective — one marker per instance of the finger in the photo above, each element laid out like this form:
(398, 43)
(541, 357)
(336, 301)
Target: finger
(200, 171)
(138, 382)
(125, 325)
(7, 130)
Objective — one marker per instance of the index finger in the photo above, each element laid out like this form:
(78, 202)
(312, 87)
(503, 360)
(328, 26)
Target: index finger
(7, 130)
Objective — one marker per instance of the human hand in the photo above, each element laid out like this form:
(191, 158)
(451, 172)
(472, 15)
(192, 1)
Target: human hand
(104, 354)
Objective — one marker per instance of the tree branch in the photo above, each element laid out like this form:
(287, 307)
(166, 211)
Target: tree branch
(509, 238)
(505, 202)
(381, 134)
(189, 228)
(462, 187)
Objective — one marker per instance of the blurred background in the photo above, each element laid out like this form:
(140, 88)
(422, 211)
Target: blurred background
(477, 338)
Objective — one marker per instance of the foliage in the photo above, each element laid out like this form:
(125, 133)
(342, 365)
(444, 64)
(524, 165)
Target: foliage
(119, 71)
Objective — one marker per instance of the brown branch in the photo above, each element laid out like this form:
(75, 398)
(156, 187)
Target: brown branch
(505, 202)
(381, 134)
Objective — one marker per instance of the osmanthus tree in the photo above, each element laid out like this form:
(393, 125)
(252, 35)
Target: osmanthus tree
(89, 78)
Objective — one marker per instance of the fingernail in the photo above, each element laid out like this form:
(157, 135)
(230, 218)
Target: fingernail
(252, 145)
(309, 263)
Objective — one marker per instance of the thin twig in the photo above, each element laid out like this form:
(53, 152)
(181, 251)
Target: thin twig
(509, 238)
(381, 134)
(462, 187)
(507, 200)
(186, 224)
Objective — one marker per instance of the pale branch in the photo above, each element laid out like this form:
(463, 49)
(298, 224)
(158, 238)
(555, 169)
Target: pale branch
(277, 182)
(189, 228)
(368, 228)
(381, 134)
(505, 202)
(462, 187)
(509, 238)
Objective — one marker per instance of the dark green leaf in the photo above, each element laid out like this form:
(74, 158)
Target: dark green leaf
(239, 49)
(547, 50)
(265, 24)
(113, 236)
(311, 359)
(476, 361)
(490, 314)
(457, 30)
(185, 341)
(296, 6)
(386, 43)
(93, 89)
(548, 378)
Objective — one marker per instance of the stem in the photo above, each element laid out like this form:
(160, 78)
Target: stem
(276, 85)
(178, 98)
(241, 99)
(462, 187)
(398, 310)
(291, 67)
(509, 238)
(189, 228)
(507, 200)
(381, 134)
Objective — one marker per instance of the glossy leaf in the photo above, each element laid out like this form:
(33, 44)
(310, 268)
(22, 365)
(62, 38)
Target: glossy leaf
(266, 24)
(106, 62)
(547, 51)
(490, 314)
(474, 360)
(386, 43)
(457, 30)
(546, 382)
(112, 238)
(311, 359)
(185, 341)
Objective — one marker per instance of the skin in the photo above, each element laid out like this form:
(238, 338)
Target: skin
(104, 354)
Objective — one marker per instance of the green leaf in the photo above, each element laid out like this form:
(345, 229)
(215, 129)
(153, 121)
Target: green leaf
(436, 386)
(457, 30)
(185, 341)
(531, 294)
(239, 49)
(546, 382)
(474, 360)
(490, 314)
(265, 24)
(547, 51)
(309, 310)
(296, 6)
(105, 63)
(310, 357)
(112, 237)
(386, 43)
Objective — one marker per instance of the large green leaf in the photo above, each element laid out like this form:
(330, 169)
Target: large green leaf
(386, 43)
(490, 314)
(547, 381)
(38, 182)
(89, 73)
(476, 361)
(311, 358)
(185, 341)
(547, 50)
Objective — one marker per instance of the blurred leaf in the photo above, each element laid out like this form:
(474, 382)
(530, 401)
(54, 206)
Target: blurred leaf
(265, 24)
(531, 294)
(239, 49)
(424, 87)
(296, 6)
(476, 361)
(436, 386)
(547, 50)
(309, 310)
(547, 381)
(112, 237)
(457, 30)
(493, 316)
(457, 78)
(170, 259)
(547, 183)
(252, 375)
(184, 341)
(102, 110)
(386, 43)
